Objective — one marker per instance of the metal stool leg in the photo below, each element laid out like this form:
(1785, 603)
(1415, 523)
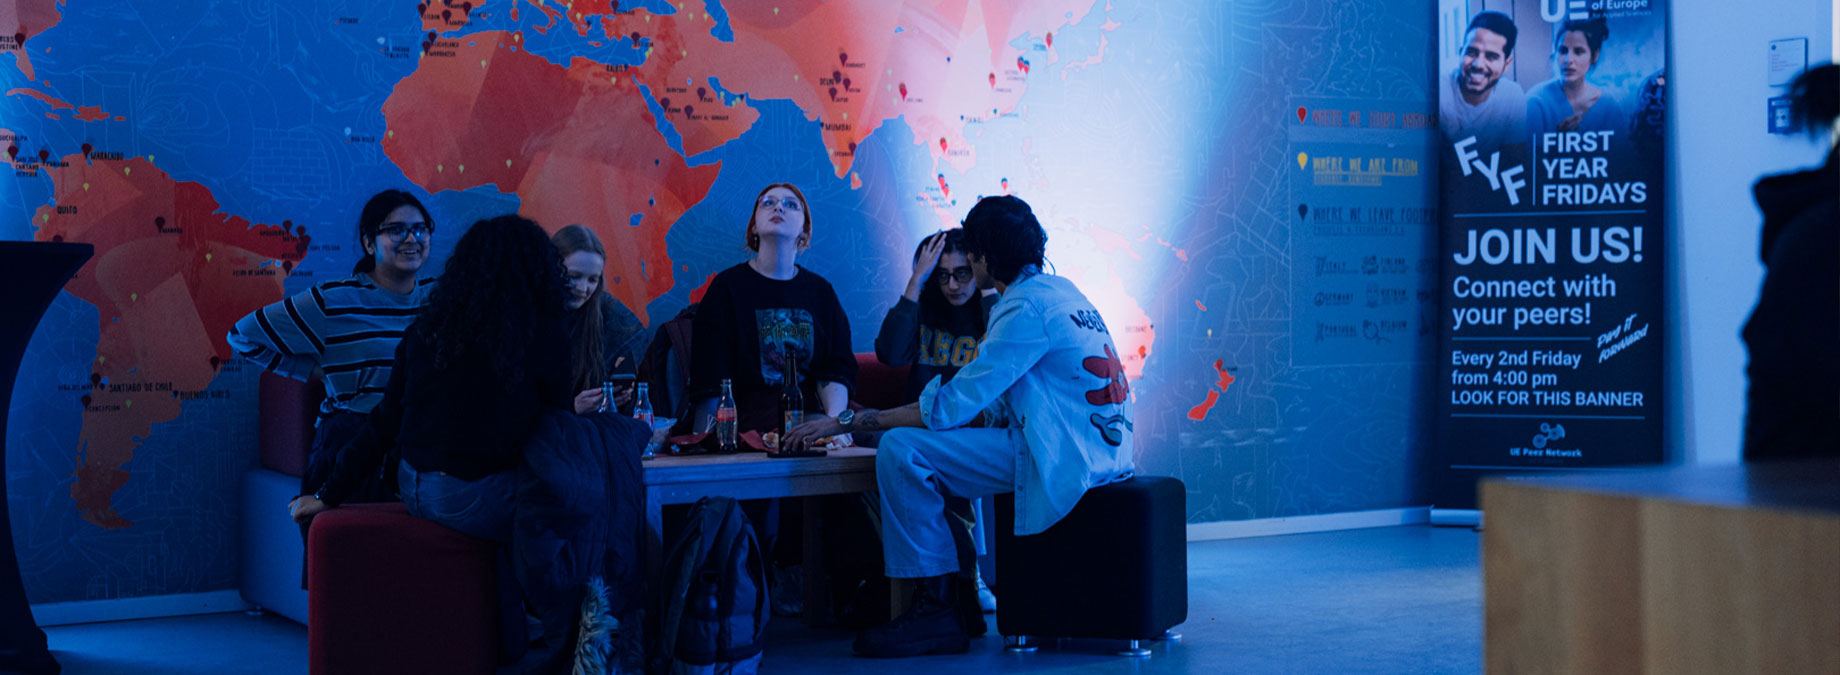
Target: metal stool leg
(1169, 636)
(1018, 644)
(1136, 651)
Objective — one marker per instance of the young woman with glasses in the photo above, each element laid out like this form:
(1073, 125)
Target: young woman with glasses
(347, 330)
(759, 324)
(934, 329)
(766, 319)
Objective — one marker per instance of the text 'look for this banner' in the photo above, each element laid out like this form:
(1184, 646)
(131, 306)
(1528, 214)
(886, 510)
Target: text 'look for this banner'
(1551, 115)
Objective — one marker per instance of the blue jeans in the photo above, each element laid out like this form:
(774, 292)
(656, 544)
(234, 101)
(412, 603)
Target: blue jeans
(481, 508)
(916, 469)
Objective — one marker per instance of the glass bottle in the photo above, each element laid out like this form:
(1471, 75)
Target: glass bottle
(726, 417)
(791, 404)
(642, 411)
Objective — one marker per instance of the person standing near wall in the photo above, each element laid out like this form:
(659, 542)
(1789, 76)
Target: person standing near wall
(347, 330)
(1793, 405)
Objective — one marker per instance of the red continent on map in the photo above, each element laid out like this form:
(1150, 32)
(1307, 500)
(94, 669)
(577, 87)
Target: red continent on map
(945, 56)
(27, 19)
(447, 15)
(171, 275)
(577, 145)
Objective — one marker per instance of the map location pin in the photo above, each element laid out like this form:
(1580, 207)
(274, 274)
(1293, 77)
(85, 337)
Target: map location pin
(86, 149)
(1302, 159)
(1303, 210)
(1006, 185)
(843, 59)
(836, 76)
(1050, 37)
(993, 80)
(1022, 64)
(846, 84)
(689, 110)
(1301, 114)
(12, 152)
(666, 104)
(702, 93)
(903, 91)
(942, 148)
(833, 93)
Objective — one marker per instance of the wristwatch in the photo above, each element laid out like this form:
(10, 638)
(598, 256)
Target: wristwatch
(847, 418)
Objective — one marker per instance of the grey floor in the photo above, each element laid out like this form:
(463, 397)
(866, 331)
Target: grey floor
(1389, 600)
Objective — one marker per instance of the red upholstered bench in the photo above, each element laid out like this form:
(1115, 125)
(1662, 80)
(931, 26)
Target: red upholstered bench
(878, 386)
(393, 593)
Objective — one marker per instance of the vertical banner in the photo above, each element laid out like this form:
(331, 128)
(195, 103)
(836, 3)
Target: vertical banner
(1551, 162)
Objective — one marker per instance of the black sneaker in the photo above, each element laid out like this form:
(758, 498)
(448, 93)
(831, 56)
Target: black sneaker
(931, 625)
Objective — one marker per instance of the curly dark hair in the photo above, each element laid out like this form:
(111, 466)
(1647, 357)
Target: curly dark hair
(503, 280)
(1003, 231)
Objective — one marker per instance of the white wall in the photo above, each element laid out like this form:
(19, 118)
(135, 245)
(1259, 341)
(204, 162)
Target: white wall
(1719, 147)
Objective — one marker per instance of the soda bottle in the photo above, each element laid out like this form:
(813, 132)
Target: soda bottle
(791, 404)
(725, 417)
(642, 411)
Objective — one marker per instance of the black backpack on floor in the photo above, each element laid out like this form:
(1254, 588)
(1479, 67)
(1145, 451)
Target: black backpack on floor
(713, 606)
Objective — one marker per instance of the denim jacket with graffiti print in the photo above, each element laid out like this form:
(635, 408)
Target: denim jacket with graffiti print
(1049, 364)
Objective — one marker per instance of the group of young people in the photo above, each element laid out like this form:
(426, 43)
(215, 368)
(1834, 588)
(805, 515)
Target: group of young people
(433, 387)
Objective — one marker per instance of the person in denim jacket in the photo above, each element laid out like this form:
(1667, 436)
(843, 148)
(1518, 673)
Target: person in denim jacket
(1055, 406)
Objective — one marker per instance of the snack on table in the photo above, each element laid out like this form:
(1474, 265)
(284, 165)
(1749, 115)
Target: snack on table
(771, 440)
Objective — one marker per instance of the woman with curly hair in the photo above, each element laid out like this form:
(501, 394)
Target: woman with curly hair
(472, 375)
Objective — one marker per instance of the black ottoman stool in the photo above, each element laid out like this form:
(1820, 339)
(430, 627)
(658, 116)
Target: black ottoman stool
(1115, 568)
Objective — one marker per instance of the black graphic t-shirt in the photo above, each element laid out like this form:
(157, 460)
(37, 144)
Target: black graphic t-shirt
(785, 337)
(752, 329)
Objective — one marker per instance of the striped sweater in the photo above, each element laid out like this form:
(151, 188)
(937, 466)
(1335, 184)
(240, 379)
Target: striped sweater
(348, 329)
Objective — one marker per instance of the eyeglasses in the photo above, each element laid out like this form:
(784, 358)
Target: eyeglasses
(399, 230)
(961, 275)
(789, 203)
